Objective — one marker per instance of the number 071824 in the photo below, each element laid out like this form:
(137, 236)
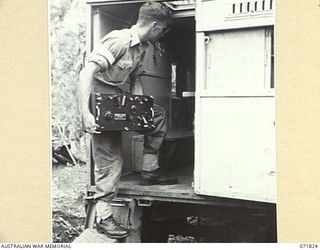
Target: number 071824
(309, 246)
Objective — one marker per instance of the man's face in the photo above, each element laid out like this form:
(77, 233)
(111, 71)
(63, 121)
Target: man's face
(157, 31)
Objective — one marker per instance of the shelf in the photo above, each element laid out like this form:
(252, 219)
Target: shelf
(178, 134)
(188, 94)
(184, 95)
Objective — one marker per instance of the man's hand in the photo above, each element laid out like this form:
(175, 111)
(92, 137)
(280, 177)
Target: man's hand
(89, 123)
(136, 87)
(86, 81)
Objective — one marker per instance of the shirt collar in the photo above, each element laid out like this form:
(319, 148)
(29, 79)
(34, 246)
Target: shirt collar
(134, 36)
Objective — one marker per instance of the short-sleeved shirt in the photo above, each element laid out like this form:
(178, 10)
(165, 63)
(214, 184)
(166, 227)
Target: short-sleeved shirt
(119, 54)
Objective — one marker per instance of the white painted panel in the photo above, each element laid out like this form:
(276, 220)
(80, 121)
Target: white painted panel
(235, 143)
(236, 60)
(215, 15)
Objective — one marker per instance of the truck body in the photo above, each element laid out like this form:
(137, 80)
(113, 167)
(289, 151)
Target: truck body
(214, 74)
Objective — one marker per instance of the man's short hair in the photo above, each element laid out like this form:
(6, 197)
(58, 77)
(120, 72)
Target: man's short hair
(154, 12)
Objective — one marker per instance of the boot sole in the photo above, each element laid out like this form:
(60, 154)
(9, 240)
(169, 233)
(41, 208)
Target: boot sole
(101, 231)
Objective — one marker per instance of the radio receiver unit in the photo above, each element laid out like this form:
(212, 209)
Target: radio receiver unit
(120, 112)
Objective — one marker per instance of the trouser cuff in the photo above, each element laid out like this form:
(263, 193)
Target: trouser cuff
(150, 162)
(104, 210)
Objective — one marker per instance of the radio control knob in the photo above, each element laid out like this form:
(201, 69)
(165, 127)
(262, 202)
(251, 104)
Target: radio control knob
(130, 118)
(108, 115)
(137, 99)
(119, 101)
(133, 108)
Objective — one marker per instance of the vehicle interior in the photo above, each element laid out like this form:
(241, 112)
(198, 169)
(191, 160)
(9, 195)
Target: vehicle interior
(170, 78)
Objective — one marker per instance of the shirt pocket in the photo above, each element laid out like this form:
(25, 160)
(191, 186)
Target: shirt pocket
(122, 69)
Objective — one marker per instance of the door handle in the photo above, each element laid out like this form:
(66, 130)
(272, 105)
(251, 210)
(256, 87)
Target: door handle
(206, 39)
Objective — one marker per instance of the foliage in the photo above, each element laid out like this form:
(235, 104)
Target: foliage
(67, 42)
(65, 227)
(68, 198)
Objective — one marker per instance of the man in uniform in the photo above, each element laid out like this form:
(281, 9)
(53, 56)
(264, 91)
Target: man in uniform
(117, 60)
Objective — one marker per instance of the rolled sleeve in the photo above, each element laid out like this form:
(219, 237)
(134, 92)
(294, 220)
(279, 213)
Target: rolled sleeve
(111, 48)
(101, 60)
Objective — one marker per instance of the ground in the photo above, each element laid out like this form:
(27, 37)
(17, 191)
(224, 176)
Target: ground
(68, 193)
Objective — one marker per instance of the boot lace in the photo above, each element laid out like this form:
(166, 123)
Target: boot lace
(114, 222)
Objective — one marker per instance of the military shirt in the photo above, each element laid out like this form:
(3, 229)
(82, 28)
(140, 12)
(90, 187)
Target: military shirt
(119, 54)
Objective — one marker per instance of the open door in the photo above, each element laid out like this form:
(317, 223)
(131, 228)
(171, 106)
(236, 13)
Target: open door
(235, 102)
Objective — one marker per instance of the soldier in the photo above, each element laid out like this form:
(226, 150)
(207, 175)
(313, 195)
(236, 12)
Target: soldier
(115, 61)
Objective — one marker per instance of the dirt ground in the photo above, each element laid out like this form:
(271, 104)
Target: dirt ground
(68, 193)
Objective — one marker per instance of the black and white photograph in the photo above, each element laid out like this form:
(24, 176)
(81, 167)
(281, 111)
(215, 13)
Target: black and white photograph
(163, 121)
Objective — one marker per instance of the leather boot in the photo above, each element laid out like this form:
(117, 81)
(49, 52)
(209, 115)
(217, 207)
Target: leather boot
(112, 228)
(156, 177)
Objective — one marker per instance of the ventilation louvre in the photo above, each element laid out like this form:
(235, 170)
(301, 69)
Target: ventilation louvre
(245, 7)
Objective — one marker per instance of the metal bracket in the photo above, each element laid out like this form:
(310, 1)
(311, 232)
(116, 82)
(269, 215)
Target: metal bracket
(144, 203)
(130, 204)
(90, 212)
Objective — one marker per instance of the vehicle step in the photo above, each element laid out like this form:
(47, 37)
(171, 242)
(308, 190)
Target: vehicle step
(92, 236)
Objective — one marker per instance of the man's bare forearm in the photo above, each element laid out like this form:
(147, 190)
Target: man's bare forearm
(86, 82)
